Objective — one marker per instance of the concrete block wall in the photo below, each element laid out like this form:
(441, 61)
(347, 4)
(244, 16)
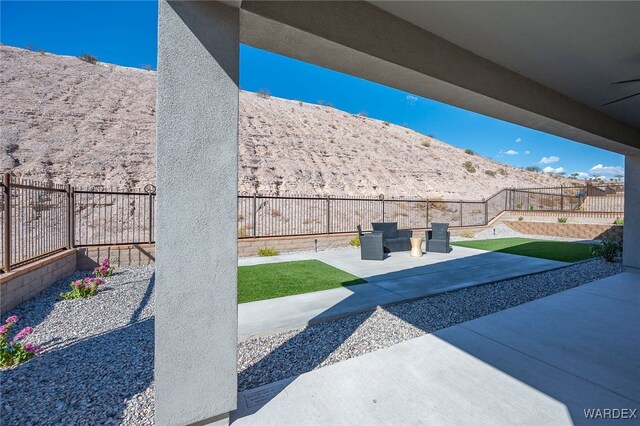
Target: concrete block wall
(25, 282)
(570, 230)
(126, 255)
(574, 216)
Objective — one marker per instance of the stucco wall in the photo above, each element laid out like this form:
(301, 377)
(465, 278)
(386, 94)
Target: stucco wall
(196, 244)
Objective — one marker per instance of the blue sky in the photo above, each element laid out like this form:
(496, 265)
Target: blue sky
(125, 33)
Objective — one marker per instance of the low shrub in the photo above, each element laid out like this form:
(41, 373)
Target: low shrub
(426, 142)
(520, 219)
(469, 151)
(82, 289)
(563, 219)
(618, 221)
(355, 241)
(264, 93)
(468, 166)
(490, 173)
(268, 251)
(503, 172)
(14, 352)
(609, 249)
(104, 270)
(89, 58)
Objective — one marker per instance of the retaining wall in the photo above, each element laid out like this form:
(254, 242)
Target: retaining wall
(25, 282)
(570, 230)
(125, 255)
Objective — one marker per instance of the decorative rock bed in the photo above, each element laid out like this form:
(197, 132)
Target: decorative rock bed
(97, 361)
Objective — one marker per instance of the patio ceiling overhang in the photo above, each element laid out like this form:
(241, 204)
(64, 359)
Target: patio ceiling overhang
(546, 66)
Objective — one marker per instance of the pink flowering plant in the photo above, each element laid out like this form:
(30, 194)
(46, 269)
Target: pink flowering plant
(14, 351)
(104, 270)
(83, 288)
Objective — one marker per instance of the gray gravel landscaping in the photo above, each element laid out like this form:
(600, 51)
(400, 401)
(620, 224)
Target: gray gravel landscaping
(97, 362)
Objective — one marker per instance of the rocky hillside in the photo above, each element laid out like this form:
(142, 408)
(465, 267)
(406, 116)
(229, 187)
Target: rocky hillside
(66, 120)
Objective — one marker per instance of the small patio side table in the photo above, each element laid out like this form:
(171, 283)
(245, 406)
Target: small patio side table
(416, 247)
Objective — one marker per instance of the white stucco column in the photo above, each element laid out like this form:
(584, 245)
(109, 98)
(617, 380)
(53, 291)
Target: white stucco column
(631, 254)
(196, 245)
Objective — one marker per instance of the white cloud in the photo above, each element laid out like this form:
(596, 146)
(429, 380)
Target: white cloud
(511, 152)
(550, 169)
(550, 159)
(519, 140)
(412, 99)
(527, 152)
(606, 171)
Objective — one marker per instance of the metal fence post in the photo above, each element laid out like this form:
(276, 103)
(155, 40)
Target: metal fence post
(254, 215)
(150, 217)
(328, 216)
(561, 197)
(6, 235)
(460, 212)
(382, 199)
(427, 221)
(69, 216)
(486, 211)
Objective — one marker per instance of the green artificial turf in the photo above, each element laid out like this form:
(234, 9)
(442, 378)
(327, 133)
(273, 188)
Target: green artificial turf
(553, 250)
(271, 280)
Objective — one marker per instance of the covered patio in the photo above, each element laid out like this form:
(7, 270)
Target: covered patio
(544, 362)
(540, 65)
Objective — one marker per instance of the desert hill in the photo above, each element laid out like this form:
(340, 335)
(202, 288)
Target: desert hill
(66, 120)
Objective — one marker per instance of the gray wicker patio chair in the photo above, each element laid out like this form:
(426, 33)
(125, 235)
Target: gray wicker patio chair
(393, 239)
(438, 238)
(371, 247)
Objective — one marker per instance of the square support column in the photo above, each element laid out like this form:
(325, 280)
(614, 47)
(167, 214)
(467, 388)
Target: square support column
(196, 322)
(631, 252)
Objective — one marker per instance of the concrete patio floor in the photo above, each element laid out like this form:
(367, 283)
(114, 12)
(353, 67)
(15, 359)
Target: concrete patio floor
(398, 278)
(543, 362)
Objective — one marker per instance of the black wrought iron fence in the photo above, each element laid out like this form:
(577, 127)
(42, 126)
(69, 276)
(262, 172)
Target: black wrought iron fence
(39, 219)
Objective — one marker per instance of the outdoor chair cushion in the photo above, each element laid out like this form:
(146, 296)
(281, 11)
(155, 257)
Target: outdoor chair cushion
(389, 229)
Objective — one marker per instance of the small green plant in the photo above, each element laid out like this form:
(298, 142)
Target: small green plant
(82, 289)
(468, 166)
(469, 151)
(264, 93)
(13, 352)
(467, 234)
(355, 241)
(563, 219)
(534, 169)
(490, 173)
(89, 58)
(520, 219)
(609, 248)
(426, 143)
(503, 172)
(618, 221)
(268, 251)
(531, 208)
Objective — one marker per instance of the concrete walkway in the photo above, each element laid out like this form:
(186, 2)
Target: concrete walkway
(398, 278)
(540, 363)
